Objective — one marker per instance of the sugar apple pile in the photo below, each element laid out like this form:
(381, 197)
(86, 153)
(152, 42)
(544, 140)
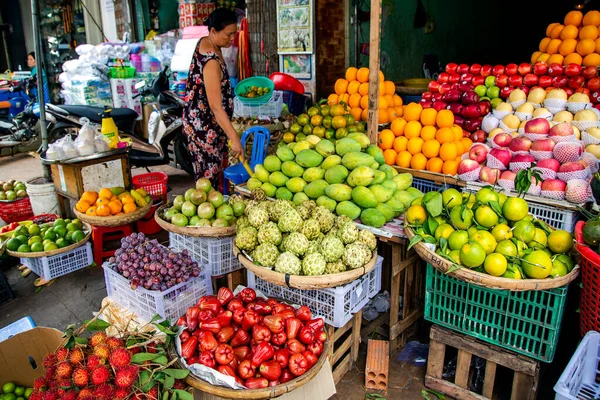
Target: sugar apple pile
(303, 239)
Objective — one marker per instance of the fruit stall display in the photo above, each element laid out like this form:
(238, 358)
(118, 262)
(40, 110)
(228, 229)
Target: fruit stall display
(35, 240)
(323, 121)
(12, 391)
(12, 190)
(114, 201)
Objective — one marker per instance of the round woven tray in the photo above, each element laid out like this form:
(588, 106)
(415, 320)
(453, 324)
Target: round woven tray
(116, 220)
(252, 394)
(194, 231)
(86, 228)
(305, 282)
(485, 280)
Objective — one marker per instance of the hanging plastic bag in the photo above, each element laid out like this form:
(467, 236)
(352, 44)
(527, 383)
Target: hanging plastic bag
(153, 124)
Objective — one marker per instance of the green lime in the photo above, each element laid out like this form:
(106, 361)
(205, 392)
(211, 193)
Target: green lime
(69, 236)
(24, 248)
(71, 227)
(68, 221)
(59, 222)
(28, 392)
(78, 236)
(524, 230)
(495, 264)
(77, 223)
(507, 248)
(50, 234)
(34, 239)
(512, 272)
(19, 390)
(34, 230)
(10, 396)
(23, 239)
(8, 387)
(46, 241)
(35, 247)
(560, 241)
(50, 246)
(515, 209)
(537, 264)
(60, 231)
(20, 398)
(472, 254)
(457, 239)
(13, 244)
(22, 230)
(60, 242)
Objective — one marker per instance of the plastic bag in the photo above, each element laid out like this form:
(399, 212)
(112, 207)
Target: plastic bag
(153, 124)
(86, 133)
(54, 153)
(100, 144)
(84, 49)
(68, 147)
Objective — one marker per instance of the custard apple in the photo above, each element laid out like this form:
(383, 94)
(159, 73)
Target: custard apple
(282, 244)
(278, 207)
(354, 256)
(290, 221)
(341, 220)
(296, 243)
(313, 264)
(250, 204)
(234, 198)
(348, 233)
(304, 212)
(258, 216)
(265, 255)
(310, 204)
(247, 238)
(333, 231)
(313, 247)
(325, 217)
(269, 233)
(242, 223)
(335, 267)
(288, 263)
(258, 194)
(368, 238)
(311, 229)
(332, 248)
(367, 253)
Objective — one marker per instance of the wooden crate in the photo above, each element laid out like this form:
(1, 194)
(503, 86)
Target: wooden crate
(526, 371)
(343, 349)
(403, 275)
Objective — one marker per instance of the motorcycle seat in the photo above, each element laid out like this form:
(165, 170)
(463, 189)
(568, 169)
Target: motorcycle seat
(124, 118)
(5, 125)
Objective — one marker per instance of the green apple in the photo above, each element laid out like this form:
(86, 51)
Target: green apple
(480, 90)
(490, 81)
(493, 92)
(495, 102)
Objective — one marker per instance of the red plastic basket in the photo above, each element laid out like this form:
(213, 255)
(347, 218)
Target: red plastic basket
(589, 318)
(154, 183)
(15, 211)
(148, 224)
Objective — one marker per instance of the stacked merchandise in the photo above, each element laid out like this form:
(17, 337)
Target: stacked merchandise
(193, 12)
(123, 94)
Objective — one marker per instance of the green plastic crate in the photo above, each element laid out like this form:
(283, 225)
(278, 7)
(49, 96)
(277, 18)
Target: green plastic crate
(527, 322)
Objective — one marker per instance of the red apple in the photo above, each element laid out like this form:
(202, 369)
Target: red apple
(515, 80)
(478, 80)
(555, 69)
(593, 84)
(456, 108)
(498, 70)
(466, 166)
(425, 103)
(475, 69)
(469, 97)
(569, 91)
(473, 124)
(443, 77)
(576, 82)
(560, 81)
(455, 86)
(506, 91)
(484, 107)
(465, 86)
(589, 72)
(440, 105)
(436, 96)
(502, 139)
(478, 135)
(524, 88)
(540, 126)
(501, 80)
(489, 175)
(433, 86)
(520, 143)
(451, 68)
(427, 95)
(466, 77)
(452, 96)
(549, 163)
(462, 69)
(545, 81)
(572, 167)
(508, 175)
(573, 70)
(542, 145)
(454, 78)
(562, 129)
(459, 120)
(511, 69)
(583, 90)
(444, 88)
(519, 158)
(524, 69)
(531, 80)
(540, 68)
(470, 111)
(478, 153)
(554, 185)
(486, 70)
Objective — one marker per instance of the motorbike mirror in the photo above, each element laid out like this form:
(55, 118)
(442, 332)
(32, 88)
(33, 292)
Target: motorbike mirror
(140, 85)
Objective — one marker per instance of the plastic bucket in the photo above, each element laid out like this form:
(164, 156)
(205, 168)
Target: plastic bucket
(42, 196)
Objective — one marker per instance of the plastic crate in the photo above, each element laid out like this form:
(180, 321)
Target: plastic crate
(154, 183)
(216, 253)
(50, 267)
(272, 108)
(555, 217)
(581, 377)
(294, 101)
(426, 186)
(15, 211)
(170, 304)
(524, 322)
(6, 292)
(589, 300)
(22, 325)
(336, 305)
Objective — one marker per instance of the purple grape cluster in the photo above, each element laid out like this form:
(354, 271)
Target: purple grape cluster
(148, 264)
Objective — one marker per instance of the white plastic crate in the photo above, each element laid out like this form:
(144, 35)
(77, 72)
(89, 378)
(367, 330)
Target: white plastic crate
(50, 267)
(581, 378)
(336, 305)
(22, 325)
(170, 304)
(272, 108)
(426, 186)
(216, 253)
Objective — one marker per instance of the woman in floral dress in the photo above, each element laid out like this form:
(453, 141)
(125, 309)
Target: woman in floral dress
(207, 114)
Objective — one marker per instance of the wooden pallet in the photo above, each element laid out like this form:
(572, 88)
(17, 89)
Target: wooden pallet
(343, 349)
(526, 370)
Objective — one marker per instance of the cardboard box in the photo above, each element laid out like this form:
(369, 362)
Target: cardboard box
(22, 356)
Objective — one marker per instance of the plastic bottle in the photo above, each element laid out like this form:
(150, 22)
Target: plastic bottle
(109, 129)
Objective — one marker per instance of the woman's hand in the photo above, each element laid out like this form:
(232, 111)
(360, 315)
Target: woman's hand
(236, 148)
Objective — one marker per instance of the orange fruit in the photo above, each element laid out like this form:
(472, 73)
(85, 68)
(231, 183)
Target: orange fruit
(362, 75)
(428, 117)
(104, 192)
(398, 126)
(458, 132)
(390, 100)
(383, 116)
(450, 167)
(103, 210)
(397, 100)
(381, 88)
(585, 47)
(341, 86)
(127, 199)
(431, 148)
(130, 207)
(550, 27)
(381, 76)
(89, 197)
(364, 102)
(351, 74)
(418, 162)
(365, 115)
(444, 135)
(544, 44)
(390, 156)
(414, 145)
(448, 151)
(574, 18)
(363, 89)
(386, 139)
(400, 144)
(592, 59)
(592, 18)
(466, 143)
(588, 32)
(459, 148)
(400, 111)
(113, 197)
(412, 112)
(91, 211)
(354, 100)
(573, 58)
(115, 207)
(412, 129)
(556, 58)
(535, 56)
(597, 41)
(102, 201)
(356, 112)
(353, 87)
(403, 159)
(82, 206)
(343, 98)
(444, 119)
(553, 46)
(569, 32)
(390, 88)
(428, 132)
(556, 31)
(543, 57)
(392, 114)
(383, 104)
(332, 99)
(567, 46)
(434, 164)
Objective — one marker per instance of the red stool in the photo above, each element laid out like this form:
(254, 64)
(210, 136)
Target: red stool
(102, 234)
(148, 224)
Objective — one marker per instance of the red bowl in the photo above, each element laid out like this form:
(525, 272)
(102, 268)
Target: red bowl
(286, 82)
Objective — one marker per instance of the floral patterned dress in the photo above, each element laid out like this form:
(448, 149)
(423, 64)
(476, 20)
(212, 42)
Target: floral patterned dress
(207, 142)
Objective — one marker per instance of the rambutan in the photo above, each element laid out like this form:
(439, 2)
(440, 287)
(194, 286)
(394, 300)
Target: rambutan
(39, 383)
(62, 354)
(120, 357)
(94, 361)
(49, 360)
(81, 377)
(102, 351)
(97, 338)
(76, 356)
(64, 370)
(126, 376)
(85, 394)
(122, 393)
(70, 395)
(36, 396)
(100, 375)
(104, 392)
(51, 395)
(153, 393)
(179, 384)
(114, 342)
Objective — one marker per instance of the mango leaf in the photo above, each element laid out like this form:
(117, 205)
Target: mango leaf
(169, 382)
(433, 203)
(139, 358)
(183, 395)
(97, 325)
(414, 240)
(431, 225)
(463, 211)
(496, 207)
(542, 225)
(177, 373)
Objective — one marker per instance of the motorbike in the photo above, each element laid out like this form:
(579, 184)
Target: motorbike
(65, 119)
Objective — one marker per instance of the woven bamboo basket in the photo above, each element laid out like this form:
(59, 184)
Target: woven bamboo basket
(194, 231)
(115, 220)
(485, 280)
(305, 282)
(88, 233)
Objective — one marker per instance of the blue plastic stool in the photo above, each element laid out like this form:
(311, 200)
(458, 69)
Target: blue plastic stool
(22, 325)
(237, 173)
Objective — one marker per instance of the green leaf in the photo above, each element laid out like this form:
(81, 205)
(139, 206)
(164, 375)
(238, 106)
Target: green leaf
(70, 343)
(165, 396)
(454, 267)
(414, 240)
(496, 207)
(375, 396)
(183, 395)
(431, 225)
(177, 373)
(542, 225)
(429, 239)
(162, 360)
(155, 318)
(144, 377)
(97, 325)
(169, 382)
(426, 392)
(443, 244)
(139, 358)
(164, 330)
(433, 203)
(81, 340)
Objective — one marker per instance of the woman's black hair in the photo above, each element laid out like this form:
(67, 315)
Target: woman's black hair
(220, 18)
(32, 54)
